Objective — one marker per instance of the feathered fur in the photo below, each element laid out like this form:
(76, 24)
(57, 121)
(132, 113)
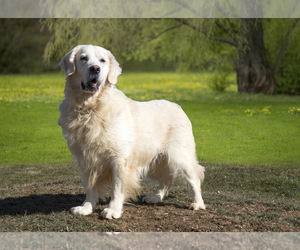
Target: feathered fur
(117, 141)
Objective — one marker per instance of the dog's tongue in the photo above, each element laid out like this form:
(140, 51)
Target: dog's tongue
(94, 82)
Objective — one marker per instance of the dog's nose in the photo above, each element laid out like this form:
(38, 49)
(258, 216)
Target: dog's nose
(94, 69)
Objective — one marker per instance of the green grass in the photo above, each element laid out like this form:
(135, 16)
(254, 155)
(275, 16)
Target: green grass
(226, 135)
(229, 128)
(29, 112)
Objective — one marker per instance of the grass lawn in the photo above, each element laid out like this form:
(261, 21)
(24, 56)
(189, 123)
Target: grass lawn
(229, 128)
(249, 145)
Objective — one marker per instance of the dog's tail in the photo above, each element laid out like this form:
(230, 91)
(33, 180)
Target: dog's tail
(200, 172)
(132, 183)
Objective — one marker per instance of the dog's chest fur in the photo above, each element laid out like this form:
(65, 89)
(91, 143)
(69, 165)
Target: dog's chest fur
(95, 133)
(84, 130)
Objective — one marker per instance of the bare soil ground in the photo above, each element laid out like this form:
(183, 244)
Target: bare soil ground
(43, 206)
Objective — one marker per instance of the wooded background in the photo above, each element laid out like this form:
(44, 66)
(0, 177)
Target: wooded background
(264, 53)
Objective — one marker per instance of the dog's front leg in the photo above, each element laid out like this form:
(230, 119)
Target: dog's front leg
(115, 207)
(91, 199)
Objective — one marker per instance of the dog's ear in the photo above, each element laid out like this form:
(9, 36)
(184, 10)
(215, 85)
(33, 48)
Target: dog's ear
(114, 69)
(68, 62)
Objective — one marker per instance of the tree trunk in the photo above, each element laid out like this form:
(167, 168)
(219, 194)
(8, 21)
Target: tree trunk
(254, 74)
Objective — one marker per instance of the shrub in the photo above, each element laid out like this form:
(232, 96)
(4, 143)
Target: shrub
(219, 81)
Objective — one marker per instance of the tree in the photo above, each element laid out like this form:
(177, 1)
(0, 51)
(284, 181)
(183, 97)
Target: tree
(189, 43)
(22, 45)
(254, 74)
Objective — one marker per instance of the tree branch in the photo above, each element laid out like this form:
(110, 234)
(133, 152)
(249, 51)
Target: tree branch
(227, 30)
(219, 39)
(165, 30)
(283, 47)
(232, 27)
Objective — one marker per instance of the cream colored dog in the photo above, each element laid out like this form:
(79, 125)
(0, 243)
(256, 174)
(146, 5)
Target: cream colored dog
(117, 141)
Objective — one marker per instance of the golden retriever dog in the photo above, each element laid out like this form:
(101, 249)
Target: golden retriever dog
(117, 141)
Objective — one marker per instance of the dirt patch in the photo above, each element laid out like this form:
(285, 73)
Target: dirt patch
(44, 207)
(167, 218)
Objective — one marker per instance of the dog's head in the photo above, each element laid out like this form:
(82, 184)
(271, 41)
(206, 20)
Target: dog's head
(92, 66)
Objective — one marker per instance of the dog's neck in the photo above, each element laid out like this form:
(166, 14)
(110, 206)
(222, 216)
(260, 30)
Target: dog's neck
(85, 101)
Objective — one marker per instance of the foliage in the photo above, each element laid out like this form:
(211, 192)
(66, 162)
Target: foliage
(168, 41)
(140, 39)
(219, 81)
(288, 78)
(220, 78)
(266, 110)
(22, 45)
(293, 110)
(113, 34)
(189, 44)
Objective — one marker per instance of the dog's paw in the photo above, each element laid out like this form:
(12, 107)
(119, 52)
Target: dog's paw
(197, 206)
(81, 210)
(151, 199)
(109, 213)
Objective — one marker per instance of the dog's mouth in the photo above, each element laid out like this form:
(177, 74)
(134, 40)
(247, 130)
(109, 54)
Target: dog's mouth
(91, 86)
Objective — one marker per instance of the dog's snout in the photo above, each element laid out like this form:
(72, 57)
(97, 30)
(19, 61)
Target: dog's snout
(95, 69)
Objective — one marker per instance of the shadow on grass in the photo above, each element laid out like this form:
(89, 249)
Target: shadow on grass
(49, 203)
(39, 204)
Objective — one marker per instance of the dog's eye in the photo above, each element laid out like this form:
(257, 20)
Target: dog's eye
(83, 58)
(102, 60)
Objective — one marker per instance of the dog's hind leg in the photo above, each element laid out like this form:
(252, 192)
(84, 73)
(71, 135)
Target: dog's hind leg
(160, 172)
(184, 164)
(159, 193)
(194, 175)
